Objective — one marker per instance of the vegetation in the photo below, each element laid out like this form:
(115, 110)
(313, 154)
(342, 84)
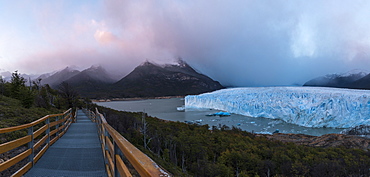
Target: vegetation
(21, 104)
(193, 150)
(37, 95)
(184, 149)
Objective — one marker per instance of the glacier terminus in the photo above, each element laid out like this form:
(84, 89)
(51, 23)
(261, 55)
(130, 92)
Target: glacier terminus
(304, 106)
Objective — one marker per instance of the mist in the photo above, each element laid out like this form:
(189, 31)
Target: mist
(239, 43)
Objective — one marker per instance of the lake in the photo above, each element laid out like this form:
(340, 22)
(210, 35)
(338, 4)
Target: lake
(166, 109)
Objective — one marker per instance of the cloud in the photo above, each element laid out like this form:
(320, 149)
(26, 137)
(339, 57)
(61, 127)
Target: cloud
(104, 37)
(240, 43)
(251, 42)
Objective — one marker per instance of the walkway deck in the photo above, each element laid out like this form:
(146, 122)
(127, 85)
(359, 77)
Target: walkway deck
(77, 153)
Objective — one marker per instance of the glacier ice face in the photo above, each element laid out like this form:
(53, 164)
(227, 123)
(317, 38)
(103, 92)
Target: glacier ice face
(304, 106)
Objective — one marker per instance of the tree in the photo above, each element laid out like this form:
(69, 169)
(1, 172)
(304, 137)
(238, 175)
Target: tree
(2, 85)
(16, 85)
(19, 90)
(69, 94)
(144, 130)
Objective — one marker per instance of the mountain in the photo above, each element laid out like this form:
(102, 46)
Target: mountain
(363, 83)
(6, 75)
(92, 82)
(57, 78)
(146, 80)
(346, 80)
(152, 80)
(92, 74)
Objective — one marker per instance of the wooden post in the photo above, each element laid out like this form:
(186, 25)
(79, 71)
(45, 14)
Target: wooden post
(47, 121)
(115, 149)
(57, 126)
(30, 146)
(105, 147)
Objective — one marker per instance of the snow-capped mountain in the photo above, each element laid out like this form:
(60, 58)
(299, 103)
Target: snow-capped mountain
(151, 80)
(146, 80)
(95, 73)
(58, 77)
(6, 75)
(344, 80)
(304, 106)
(92, 82)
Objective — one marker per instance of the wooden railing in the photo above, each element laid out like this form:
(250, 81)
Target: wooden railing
(50, 129)
(115, 146)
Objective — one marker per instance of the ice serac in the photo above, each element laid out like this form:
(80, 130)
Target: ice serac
(304, 106)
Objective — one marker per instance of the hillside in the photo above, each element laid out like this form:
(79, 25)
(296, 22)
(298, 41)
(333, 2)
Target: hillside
(151, 80)
(12, 112)
(92, 82)
(363, 83)
(354, 79)
(57, 78)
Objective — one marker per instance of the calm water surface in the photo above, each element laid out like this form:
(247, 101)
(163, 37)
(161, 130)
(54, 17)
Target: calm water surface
(166, 109)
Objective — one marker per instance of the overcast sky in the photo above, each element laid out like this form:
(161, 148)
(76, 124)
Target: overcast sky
(238, 42)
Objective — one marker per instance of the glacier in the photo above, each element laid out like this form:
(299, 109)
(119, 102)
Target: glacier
(304, 106)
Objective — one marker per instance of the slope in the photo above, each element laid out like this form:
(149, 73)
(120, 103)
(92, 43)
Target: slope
(93, 82)
(55, 79)
(151, 80)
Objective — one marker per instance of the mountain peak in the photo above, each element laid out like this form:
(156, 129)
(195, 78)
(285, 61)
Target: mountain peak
(151, 80)
(95, 67)
(181, 63)
(70, 68)
(351, 79)
(149, 63)
(355, 72)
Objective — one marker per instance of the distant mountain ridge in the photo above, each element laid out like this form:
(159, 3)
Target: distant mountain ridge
(146, 80)
(149, 79)
(354, 79)
(58, 77)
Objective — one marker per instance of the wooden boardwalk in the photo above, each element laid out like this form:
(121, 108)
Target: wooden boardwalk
(76, 153)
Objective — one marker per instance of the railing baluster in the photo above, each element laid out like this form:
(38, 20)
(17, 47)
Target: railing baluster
(57, 126)
(30, 145)
(47, 121)
(105, 146)
(115, 149)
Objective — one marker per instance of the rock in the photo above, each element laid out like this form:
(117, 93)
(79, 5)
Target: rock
(326, 141)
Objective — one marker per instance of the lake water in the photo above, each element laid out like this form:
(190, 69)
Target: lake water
(166, 109)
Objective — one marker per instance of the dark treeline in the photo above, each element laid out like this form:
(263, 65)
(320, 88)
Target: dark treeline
(33, 94)
(193, 150)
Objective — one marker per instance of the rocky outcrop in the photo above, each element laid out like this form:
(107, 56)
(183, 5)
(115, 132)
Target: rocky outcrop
(358, 130)
(325, 141)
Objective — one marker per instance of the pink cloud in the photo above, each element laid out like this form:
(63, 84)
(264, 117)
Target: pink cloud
(105, 37)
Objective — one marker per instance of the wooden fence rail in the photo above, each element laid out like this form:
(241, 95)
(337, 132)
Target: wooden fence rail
(54, 127)
(115, 146)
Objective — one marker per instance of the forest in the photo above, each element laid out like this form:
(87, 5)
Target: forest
(186, 149)
(194, 150)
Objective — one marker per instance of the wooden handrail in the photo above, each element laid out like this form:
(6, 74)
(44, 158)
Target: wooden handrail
(112, 151)
(20, 127)
(61, 123)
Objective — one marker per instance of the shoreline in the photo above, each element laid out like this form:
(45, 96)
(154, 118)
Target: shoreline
(135, 98)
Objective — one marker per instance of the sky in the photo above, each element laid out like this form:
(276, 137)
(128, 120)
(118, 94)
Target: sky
(239, 42)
